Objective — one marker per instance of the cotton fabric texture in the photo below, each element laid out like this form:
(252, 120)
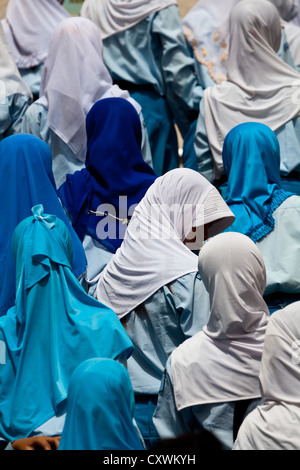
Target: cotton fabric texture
(210, 41)
(27, 180)
(100, 409)
(153, 253)
(251, 159)
(221, 363)
(29, 25)
(52, 328)
(114, 167)
(260, 86)
(274, 425)
(114, 16)
(69, 101)
(10, 78)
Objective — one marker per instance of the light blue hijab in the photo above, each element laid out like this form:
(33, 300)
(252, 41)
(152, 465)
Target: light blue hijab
(100, 409)
(53, 327)
(27, 180)
(251, 158)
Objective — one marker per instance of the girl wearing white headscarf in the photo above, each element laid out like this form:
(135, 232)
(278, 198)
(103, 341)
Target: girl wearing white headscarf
(275, 424)
(260, 87)
(216, 371)
(152, 282)
(15, 96)
(146, 53)
(28, 26)
(74, 78)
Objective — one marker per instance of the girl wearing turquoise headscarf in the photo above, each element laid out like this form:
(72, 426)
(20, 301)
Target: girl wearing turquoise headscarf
(100, 409)
(264, 211)
(53, 327)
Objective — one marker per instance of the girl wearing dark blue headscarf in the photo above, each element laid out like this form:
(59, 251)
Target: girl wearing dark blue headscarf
(52, 328)
(26, 180)
(264, 211)
(114, 167)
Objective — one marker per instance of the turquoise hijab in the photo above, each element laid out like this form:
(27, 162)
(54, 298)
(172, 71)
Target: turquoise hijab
(100, 409)
(251, 158)
(53, 327)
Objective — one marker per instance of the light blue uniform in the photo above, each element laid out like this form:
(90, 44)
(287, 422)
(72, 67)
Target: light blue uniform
(64, 161)
(153, 57)
(218, 418)
(171, 317)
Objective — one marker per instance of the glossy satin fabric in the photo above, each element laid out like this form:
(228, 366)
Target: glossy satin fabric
(251, 157)
(100, 409)
(221, 363)
(27, 180)
(114, 167)
(53, 327)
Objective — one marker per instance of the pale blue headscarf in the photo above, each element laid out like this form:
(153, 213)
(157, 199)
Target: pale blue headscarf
(53, 327)
(100, 409)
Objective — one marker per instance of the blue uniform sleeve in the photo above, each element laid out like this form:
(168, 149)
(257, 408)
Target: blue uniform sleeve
(204, 156)
(12, 112)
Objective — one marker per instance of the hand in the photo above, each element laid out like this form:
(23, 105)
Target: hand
(37, 443)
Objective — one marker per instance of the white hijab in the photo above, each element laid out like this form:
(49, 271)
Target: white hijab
(114, 16)
(152, 253)
(221, 363)
(29, 25)
(275, 424)
(260, 86)
(74, 78)
(10, 79)
(206, 28)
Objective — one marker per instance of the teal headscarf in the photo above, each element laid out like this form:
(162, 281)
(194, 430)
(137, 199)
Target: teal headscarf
(52, 328)
(100, 409)
(251, 157)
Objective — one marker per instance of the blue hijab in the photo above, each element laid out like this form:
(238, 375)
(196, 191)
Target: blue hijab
(114, 167)
(251, 158)
(27, 180)
(53, 327)
(100, 409)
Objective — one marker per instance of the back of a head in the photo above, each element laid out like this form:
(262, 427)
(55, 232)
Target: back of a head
(249, 148)
(280, 372)
(100, 408)
(255, 20)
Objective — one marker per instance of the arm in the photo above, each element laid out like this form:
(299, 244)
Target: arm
(12, 114)
(169, 422)
(192, 302)
(183, 91)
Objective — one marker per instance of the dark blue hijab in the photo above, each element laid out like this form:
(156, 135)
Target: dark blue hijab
(251, 157)
(114, 167)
